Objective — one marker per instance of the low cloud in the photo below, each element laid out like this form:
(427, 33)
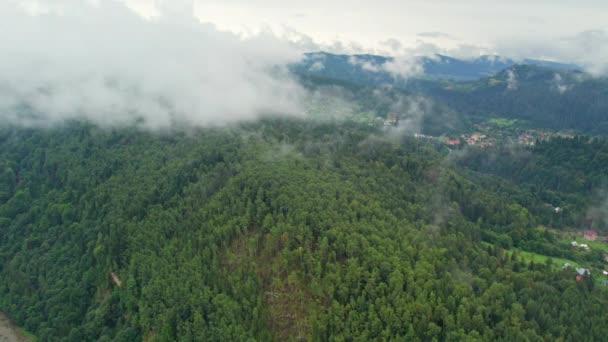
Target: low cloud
(393, 44)
(403, 67)
(558, 84)
(398, 67)
(316, 66)
(597, 214)
(103, 62)
(512, 82)
(588, 49)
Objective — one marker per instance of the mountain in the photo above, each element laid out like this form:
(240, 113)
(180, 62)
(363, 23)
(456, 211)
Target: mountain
(541, 94)
(367, 69)
(543, 97)
(290, 229)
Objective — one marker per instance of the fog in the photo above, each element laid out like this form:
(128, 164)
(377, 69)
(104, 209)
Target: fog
(102, 62)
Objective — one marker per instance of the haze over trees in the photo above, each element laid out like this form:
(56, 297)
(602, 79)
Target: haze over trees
(164, 178)
(283, 229)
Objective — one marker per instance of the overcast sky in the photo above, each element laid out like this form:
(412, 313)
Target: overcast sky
(478, 22)
(564, 30)
(208, 62)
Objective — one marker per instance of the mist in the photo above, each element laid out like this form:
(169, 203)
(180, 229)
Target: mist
(104, 63)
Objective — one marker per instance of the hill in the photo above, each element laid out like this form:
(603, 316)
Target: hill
(276, 230)
(367, 69)
(544, 97)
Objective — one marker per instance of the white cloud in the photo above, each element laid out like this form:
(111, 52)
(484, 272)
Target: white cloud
(398, 67)
(365, 64)
(403, 67)
(558, 83)
(316, 66)
(100, 61)
(512, 83)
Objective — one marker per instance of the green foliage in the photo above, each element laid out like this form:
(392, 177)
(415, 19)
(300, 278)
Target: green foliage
(278, 230)
(544, 97)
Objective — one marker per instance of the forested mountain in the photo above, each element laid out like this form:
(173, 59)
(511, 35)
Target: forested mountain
(368, 69)
(340, 100)
(540, 94)
(281, 230)
(543, 97)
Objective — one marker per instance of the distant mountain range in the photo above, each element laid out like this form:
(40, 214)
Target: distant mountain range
(541, 96)
(369, 69)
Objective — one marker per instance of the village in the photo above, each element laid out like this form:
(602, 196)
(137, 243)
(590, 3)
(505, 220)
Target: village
(592, 238)
(494, 132)
(499, 132)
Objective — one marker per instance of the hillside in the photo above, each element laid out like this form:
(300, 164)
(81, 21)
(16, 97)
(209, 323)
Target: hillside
(276, 230)
(544, 97)
(361, 69)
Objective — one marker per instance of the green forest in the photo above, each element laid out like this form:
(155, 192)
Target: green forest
(288, 229)
(543, 96)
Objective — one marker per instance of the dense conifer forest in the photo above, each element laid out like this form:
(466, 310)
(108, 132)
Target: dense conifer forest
(289, 229)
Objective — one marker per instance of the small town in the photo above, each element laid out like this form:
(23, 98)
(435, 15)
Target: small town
(492, 133)
(590, 236)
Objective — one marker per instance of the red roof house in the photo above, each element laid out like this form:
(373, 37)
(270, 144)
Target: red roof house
(590, 235)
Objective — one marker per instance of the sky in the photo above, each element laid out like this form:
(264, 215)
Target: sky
(100, 61)
(574, 31)
(367, 23)
(212, 62)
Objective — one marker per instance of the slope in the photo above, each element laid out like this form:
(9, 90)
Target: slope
(277, 230)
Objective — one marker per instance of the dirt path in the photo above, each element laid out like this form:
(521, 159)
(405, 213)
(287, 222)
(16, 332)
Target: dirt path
(7, 330)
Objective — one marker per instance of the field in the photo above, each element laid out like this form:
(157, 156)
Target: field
(502, 122)
(541, 259)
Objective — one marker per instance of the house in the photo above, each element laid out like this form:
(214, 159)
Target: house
(423, 136)
(582, 273)
(590, 235)
(565, 136)
(392, 120)
(605, 273)
(579, 245)
(526, 137)
(566, 265)
(557, 210)
(452, 142)
(477, 136)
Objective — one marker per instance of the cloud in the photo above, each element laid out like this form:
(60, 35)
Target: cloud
(393, 44)
(98, 60)
(588, 49)
(403, 67)
(436, 34)
(365, 64)
(316, 66)
(558, 83)
(398, 67)
(511, 80)
(598, 213)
